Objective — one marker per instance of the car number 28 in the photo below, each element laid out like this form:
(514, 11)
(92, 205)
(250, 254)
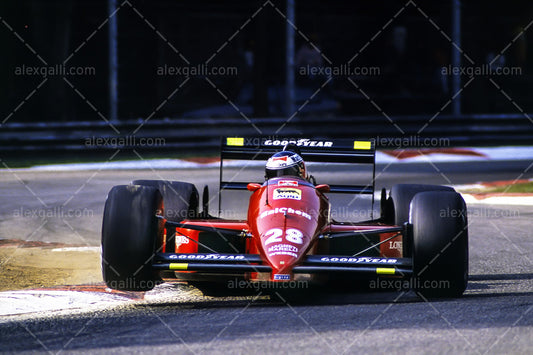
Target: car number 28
(291, 235)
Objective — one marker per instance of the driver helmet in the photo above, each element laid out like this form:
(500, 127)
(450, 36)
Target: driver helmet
(285, 163)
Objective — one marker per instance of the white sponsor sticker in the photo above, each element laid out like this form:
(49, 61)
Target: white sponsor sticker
(286, 193)
(181, 239)
(395, 245)
(287, 183)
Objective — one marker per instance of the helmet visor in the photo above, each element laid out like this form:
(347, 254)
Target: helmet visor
(290, 171)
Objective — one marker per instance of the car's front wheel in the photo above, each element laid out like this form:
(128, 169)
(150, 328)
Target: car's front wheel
(440, 243)
(129, 234)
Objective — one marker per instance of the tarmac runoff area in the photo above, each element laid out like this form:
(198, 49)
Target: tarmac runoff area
(385, 157)
(61, 299)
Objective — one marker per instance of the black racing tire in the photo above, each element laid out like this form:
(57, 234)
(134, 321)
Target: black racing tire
(397, 209)
(400, 200)
(440, 244)
(129, 233)
(180, 198)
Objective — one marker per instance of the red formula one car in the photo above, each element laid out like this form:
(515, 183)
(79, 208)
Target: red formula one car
(153, 231)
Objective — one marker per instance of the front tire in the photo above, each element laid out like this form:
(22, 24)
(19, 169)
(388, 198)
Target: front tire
(129, 233)
(440, 243)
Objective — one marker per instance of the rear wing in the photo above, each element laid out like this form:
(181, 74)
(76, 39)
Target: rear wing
(355, 151)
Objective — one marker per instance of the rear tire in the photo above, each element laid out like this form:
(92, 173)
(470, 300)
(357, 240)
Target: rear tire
(180, 198)
(440, 243)
(180, 202)
(397, 209)
(129, 233)
(401, 196)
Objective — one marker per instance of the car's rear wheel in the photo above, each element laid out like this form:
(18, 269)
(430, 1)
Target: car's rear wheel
(180, 202)
(180, 198)
(440, 243)
(397, 208)
(129, 233)
(401, 196)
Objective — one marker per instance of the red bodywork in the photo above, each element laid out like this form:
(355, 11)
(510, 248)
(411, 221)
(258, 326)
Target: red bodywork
(286, 217)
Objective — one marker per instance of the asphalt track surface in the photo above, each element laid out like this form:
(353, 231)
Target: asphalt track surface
(494, 315)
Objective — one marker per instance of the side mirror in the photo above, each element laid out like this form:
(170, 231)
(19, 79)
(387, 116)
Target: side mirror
(253, 186)
(323, 188)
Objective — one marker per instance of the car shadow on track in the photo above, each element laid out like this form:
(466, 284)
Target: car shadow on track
(499, 285)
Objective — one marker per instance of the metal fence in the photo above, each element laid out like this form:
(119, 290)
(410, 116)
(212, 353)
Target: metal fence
(182, 135)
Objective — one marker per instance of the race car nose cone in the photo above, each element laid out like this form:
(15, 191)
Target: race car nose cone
(282, 256)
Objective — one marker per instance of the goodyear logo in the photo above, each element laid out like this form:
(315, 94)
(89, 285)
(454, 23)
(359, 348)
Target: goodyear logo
(299, 142)
(359, 260)
(287, 194)
(207, 257)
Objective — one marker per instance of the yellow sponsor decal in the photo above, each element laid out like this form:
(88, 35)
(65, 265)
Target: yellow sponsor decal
(367, 145)
(239, 141)
(385, 271)
(178, 266)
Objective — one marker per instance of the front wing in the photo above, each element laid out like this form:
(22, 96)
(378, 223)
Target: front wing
(221, 263)
(312, 264)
